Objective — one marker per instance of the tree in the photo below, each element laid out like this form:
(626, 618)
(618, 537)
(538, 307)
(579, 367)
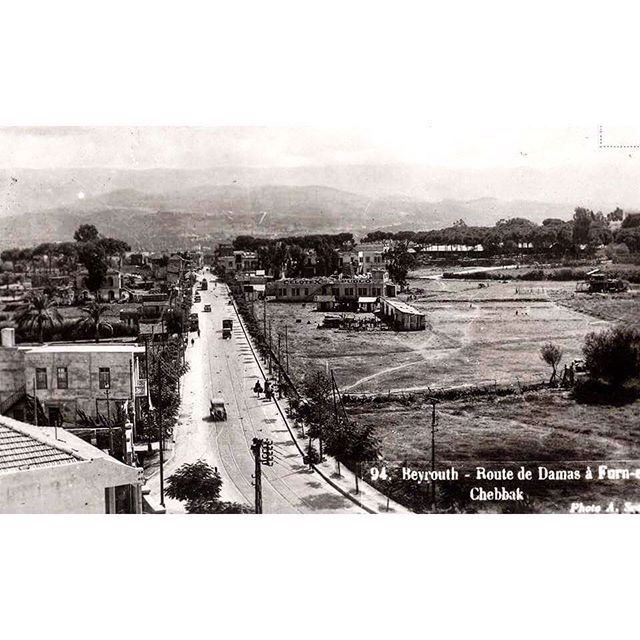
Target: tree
(94, 259)
(94, 314)
(39, 313)
(317, 410)
(364, 446)
(616, 215)
(582, 219)
(86, 233)
(551, 354)
(399, 262)
(199, 485)
(613, 355)
(113, 247)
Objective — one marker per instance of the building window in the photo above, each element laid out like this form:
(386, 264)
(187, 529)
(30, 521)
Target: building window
(104, 378)
(306, 291)
(335, 291)
(41, 378)
(367, 259)
(62, 378)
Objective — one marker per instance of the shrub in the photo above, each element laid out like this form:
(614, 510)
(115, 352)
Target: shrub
(613, 355)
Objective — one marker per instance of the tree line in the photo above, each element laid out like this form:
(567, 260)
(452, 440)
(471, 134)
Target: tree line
(554, 236)
(89, 249)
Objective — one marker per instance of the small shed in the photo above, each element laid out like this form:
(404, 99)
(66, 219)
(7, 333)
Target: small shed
(367, 304)
(325, 302)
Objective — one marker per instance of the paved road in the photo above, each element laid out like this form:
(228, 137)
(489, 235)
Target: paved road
(228, 368)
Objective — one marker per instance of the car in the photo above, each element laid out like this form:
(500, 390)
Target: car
(198, 299)
(207, 307)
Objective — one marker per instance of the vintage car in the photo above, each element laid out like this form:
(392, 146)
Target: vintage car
(217, 410)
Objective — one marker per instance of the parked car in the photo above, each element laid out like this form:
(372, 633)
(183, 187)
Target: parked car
(207, 307)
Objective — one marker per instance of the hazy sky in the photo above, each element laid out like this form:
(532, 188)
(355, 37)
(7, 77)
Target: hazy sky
(441, 146)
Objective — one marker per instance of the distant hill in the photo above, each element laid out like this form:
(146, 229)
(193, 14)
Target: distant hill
(203, 214)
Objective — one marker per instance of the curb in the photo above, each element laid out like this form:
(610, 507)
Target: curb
(294, 437)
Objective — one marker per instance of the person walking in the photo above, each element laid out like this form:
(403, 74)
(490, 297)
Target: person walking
(257, 388)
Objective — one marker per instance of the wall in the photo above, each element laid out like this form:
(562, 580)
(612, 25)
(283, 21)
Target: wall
(12, 375)
(68, 488)
(83, 387)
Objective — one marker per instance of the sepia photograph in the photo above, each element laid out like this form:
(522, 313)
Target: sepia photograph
(275, 320)
(271, 269)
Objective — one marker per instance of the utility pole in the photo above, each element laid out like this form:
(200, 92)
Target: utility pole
(35, 402)
(161, 427)
(256, 449)
(109, 423)
(270, 350)
(335, 413)
(264, 313)
(433, 451)
(286, 347)
(279, 364)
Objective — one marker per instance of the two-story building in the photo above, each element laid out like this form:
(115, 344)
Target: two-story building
(69, 379)
(238, 261)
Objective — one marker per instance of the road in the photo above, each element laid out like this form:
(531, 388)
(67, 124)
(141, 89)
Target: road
(229, 369)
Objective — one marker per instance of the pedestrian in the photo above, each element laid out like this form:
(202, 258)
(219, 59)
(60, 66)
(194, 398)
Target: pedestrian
(192, 342)
(257, 388)
(198, 333)
(267, 390)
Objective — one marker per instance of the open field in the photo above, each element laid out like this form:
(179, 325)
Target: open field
(622, 307)
(546, 428)
(476, 334)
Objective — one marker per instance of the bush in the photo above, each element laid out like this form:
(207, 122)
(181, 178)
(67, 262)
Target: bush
(613, 355)
(590, 391)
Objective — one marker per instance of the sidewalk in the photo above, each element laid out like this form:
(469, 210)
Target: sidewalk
(368, 498)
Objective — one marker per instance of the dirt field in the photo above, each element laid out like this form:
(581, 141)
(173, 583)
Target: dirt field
(476, 334)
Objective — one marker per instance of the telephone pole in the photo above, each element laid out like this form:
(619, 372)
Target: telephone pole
(256, 449)
(286, 347)
(270, 350)
(161, 427)
(109, 423)
(264, 312)
(433, 451)
(279, 362)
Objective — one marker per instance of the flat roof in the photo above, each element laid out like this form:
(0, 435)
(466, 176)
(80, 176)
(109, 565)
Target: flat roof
(83, 348)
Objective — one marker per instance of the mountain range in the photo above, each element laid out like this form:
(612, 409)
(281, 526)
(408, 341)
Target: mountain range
(183, 208)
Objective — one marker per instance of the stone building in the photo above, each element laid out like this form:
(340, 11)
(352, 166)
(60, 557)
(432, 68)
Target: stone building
(68, 378)
(342, 289)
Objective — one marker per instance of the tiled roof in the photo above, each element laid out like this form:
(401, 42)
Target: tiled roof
(19, 450)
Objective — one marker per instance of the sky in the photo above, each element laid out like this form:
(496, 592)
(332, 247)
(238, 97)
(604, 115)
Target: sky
(420, 144)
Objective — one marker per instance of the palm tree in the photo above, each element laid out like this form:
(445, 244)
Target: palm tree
(40, 312)
(93, 319)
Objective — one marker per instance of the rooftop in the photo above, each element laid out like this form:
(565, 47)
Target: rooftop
(24, 446)
(403, 307)
(82, 348)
